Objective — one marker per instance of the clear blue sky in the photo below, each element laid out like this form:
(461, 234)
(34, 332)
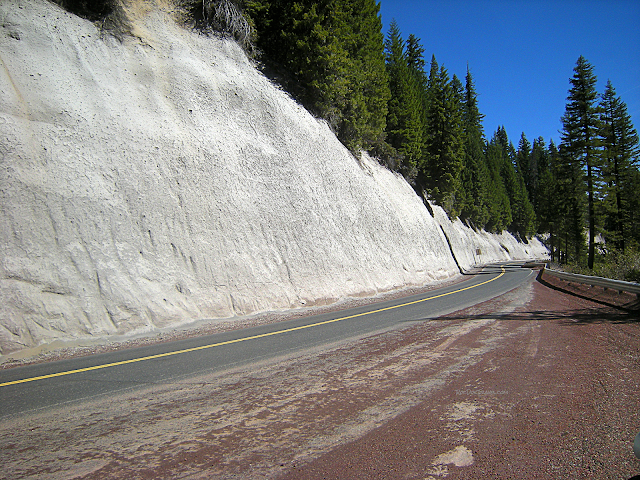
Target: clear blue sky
(522, 53)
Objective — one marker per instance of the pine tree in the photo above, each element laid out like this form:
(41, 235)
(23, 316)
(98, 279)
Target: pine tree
(475, 174)
(570, 205)
(457, 95)
(444, 146)
(332, 53)
(295, 38)
(620, 157)
(404, 120)
(580, 136)
(363, 111)
(415, 58)
(499, 206)
(545, 196)
(523, 159)
(538, 163)
(523, 215)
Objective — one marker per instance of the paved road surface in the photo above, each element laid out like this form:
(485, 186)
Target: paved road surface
(530, 384)
(215, 353)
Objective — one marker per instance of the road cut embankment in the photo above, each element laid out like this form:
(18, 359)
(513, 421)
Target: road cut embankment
(159, 179)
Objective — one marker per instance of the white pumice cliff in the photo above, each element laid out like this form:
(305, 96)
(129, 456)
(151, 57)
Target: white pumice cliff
(163, 179)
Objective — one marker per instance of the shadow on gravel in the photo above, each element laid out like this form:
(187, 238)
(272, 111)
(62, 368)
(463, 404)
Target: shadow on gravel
(630, 308)
(569, 317)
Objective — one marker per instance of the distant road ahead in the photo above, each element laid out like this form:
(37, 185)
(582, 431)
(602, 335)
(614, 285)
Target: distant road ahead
(34, 387)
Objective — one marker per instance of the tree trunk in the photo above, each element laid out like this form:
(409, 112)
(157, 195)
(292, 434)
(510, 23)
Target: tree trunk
(592, 219)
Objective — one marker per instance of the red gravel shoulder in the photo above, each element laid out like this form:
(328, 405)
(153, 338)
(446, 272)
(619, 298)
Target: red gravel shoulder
(561, 401)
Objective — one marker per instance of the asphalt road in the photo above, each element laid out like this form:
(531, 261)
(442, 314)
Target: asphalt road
(41, 386)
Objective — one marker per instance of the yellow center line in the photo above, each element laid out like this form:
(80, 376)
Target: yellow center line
(243, 339)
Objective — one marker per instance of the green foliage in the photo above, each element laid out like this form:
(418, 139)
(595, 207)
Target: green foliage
(368, 81)
(444, 147)
(594, 176)
(524, 217)
(620, 156)
(498, 201)
(333, 52)
(415, 58)
(545, 196)
(615, 264)
(523, 159)
(516, 174)
(522, 213)
(538, 165)
(476, 178)
(404, 119)
(571, 211)
(580, 136)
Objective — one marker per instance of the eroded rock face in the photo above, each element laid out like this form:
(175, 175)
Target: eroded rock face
(163, 179)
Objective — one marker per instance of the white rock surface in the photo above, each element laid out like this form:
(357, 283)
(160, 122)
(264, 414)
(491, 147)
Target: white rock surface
(471, 247)
(161, 180)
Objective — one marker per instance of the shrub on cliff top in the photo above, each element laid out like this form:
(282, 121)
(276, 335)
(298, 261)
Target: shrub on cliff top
(109, 14)
(224, 17)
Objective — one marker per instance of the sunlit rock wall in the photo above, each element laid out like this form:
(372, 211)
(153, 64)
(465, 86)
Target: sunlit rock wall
(163, 179)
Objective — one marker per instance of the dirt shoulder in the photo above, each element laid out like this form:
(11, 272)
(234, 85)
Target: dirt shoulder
(559, 401)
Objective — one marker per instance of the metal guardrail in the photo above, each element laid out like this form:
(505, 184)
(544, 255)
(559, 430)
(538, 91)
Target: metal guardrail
(619, 285)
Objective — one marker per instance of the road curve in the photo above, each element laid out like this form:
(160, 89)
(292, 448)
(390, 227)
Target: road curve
(36, 387)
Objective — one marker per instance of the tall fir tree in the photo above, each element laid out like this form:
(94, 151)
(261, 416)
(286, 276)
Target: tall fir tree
(538, 163)
(475, 174)
(444, 147)
(415, 58)
(499, 206)
(523, 216)
(620, 153)
(294, 36)
(523, 158)
(404, 120)
(570, 206)
(363, 111)
(580, 130)
(545, 196)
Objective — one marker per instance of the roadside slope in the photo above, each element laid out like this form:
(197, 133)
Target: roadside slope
(162, 179)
